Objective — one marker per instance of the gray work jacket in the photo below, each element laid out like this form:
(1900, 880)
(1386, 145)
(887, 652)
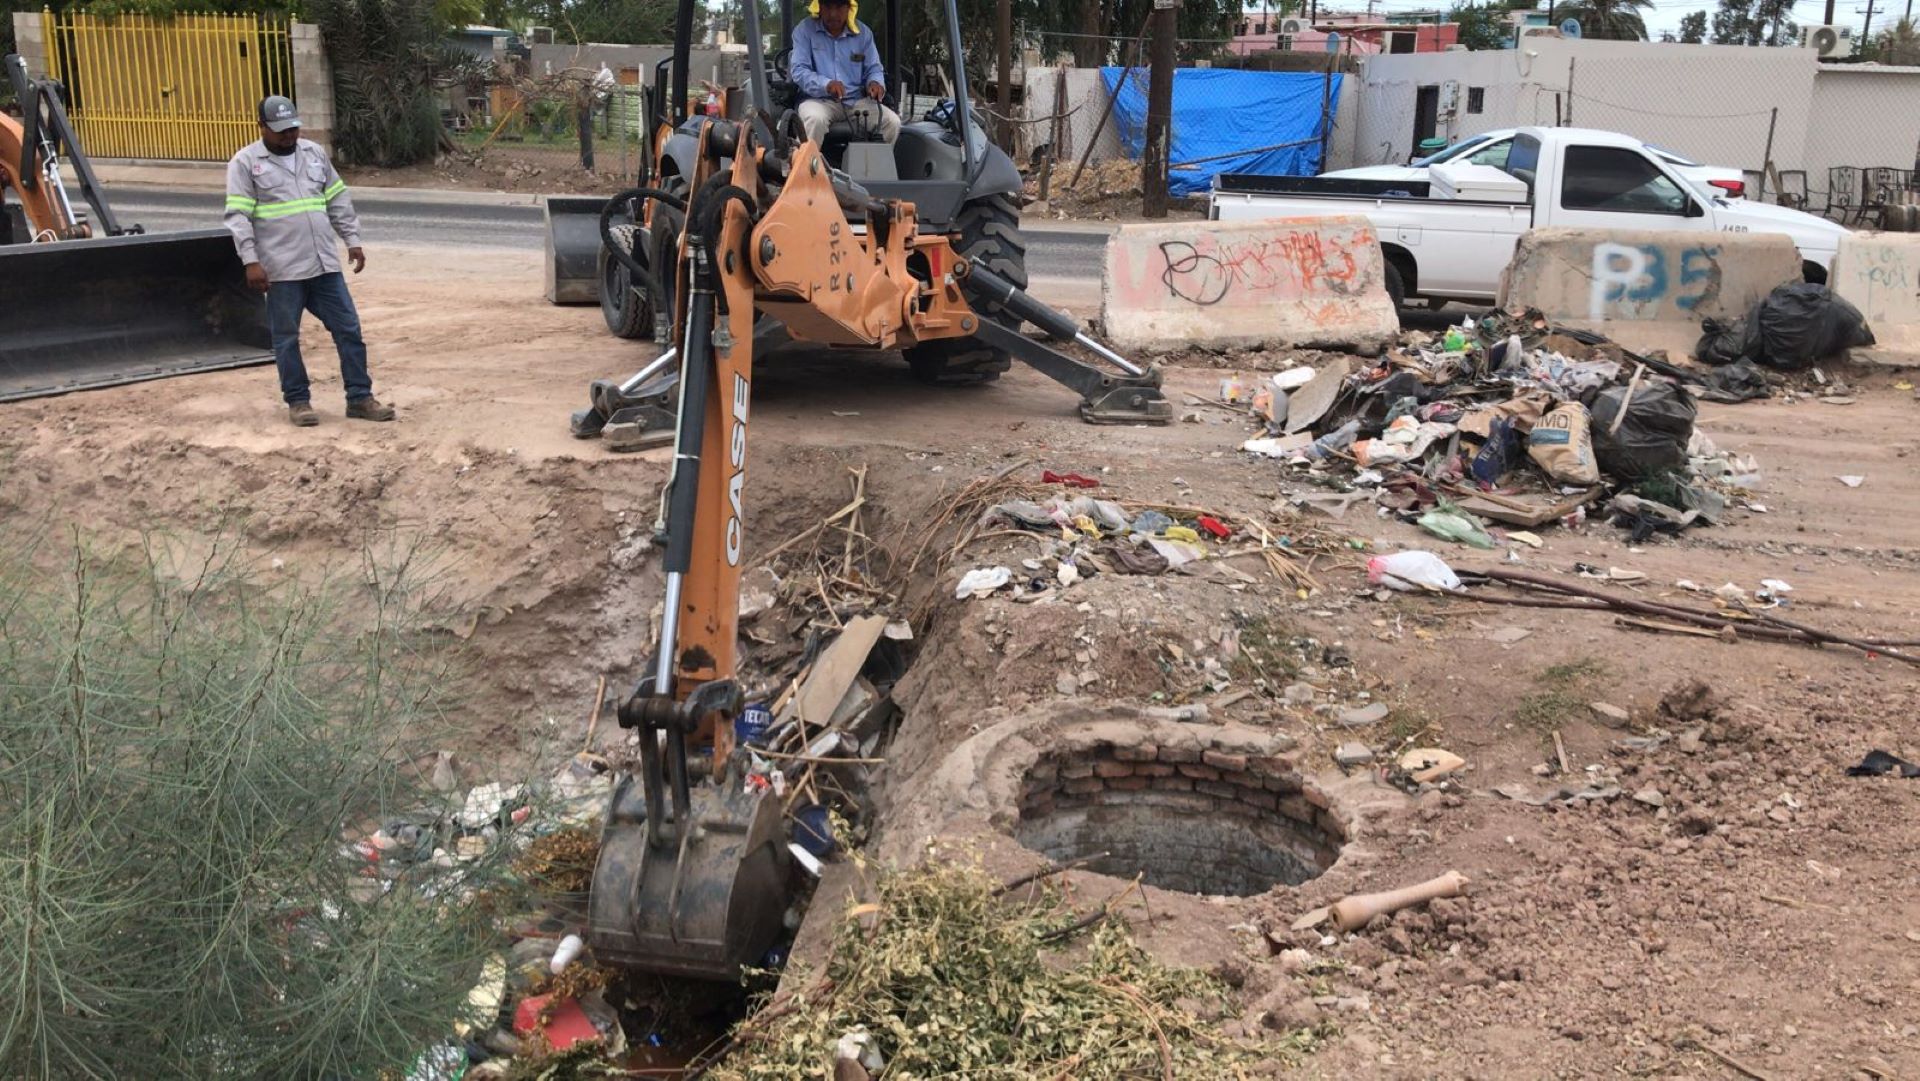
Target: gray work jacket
(284, 210)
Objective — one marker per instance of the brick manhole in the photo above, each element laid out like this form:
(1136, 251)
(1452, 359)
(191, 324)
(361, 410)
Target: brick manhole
(1195, 820)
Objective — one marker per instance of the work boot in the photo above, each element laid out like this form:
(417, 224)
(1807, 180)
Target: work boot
(302, 415)
(369, 408)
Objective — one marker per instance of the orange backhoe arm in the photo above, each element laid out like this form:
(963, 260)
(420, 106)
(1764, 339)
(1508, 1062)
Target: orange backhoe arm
(44, 205)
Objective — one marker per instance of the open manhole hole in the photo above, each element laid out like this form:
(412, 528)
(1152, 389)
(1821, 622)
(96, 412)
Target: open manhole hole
(1196, 821)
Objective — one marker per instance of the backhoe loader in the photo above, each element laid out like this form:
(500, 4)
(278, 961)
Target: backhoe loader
(768, 240)
(961, 185)
(88, 302)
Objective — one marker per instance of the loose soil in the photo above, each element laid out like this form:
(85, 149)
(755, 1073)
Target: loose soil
(1764, 912)
(530, 168)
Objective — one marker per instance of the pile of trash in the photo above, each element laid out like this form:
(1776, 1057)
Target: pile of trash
(1083, 537)
(1509, 420)
(544, 1000)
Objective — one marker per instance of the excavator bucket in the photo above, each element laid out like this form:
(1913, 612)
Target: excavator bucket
(80, 314)
(703, 905)
(573, 248)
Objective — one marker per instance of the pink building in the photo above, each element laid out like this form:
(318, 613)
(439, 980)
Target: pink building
(1411, 32)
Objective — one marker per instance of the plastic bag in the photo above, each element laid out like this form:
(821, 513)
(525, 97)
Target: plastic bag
(1726, 343)
(1653, 437)
(1736, 382)
(1802, 323)
(1408, 571)
(1561, 445)
(1449, 522)
(1497, 454)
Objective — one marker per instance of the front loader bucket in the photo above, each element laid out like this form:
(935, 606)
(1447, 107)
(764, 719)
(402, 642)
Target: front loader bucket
(573, 248)
(79, 314)
(702, 905)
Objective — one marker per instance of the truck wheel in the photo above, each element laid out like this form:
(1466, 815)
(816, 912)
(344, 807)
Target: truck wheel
(989, 229)
(1396, 288)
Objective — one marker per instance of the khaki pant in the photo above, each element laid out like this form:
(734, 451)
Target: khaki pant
(816, 114)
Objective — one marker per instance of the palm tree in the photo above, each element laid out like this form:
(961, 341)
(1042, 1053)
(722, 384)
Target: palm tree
(1901, 45)
(1616, 20)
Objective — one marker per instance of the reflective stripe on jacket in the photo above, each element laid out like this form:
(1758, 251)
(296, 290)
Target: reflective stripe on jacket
(285, 211)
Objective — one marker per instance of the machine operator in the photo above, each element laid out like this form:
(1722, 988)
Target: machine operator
(837, 66)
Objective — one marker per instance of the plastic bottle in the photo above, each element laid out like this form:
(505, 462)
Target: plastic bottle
(1411, 571)
(564, 955)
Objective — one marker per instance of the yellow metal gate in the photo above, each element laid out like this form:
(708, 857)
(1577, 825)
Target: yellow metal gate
(184, 87)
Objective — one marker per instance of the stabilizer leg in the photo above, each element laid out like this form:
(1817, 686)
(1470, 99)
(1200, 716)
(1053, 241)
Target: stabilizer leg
(1131, 397)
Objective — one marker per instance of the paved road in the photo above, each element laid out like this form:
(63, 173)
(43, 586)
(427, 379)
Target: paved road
(413, 220)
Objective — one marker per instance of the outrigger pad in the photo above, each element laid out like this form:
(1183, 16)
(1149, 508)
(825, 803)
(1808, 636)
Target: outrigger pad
(1129, 404)
(634, 421)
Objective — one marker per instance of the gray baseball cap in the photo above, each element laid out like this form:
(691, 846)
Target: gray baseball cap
(278, 114)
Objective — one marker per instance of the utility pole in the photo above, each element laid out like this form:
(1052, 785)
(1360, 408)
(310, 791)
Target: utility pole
(1866, 28)
(1003, 45)
(1830, 12)
(1153, 156)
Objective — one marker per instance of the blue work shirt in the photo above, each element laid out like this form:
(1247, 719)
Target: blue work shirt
(820, 58)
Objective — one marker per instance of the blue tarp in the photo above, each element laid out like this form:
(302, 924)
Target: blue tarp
(1241, 121)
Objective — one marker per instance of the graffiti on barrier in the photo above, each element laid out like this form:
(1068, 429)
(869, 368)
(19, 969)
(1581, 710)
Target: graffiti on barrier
(1885, 268)
(1635, 281)
(1211, 269)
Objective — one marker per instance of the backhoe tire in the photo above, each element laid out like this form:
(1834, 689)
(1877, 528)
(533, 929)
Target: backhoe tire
(628, 310)
(989, 229)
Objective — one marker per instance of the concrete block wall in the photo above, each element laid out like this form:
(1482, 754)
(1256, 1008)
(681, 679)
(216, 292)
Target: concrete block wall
(312, 84)
(30, 39)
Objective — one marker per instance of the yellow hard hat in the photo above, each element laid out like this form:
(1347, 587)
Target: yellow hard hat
(853, 13)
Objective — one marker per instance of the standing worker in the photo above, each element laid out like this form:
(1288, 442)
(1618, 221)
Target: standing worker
(837, 67)
(285, 203)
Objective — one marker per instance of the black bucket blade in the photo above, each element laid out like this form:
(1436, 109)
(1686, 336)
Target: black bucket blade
(80, 314)
(573, 248)
(703, 909)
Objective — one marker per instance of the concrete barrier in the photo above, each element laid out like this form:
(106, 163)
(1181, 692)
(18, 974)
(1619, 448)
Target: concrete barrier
(1276, 283)
(1646, 289)
(1879, 273)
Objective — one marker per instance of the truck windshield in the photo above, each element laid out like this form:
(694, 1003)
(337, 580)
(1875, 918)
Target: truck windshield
(1451, 152)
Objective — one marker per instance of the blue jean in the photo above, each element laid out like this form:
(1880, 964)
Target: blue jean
(327, 298)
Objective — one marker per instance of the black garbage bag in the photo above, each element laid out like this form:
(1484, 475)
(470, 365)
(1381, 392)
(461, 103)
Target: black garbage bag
(1800, 324)
(1739, 381)
(1653, 437)
(1725, 343)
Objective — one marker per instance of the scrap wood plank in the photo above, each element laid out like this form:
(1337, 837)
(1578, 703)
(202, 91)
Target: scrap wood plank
(1520, 512)
(834, 672)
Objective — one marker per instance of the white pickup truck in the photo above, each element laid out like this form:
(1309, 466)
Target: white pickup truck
(1449, 237)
